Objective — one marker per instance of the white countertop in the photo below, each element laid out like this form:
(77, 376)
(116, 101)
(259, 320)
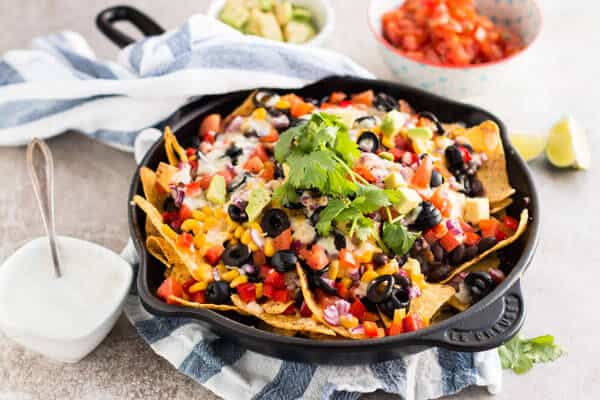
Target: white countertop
(560, 76)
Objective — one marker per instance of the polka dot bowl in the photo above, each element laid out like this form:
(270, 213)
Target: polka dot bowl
(521, 16)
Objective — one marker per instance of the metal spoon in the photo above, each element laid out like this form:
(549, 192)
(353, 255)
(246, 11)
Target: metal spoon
(44, 193)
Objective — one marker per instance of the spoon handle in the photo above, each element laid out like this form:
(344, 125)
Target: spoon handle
(44, 192)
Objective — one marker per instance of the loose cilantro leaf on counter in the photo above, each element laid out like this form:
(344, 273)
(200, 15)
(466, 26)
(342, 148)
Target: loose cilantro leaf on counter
(398, 238)
(521, 354)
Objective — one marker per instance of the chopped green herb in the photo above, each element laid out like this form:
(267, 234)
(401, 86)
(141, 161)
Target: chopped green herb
(521, 354)
(398, 238)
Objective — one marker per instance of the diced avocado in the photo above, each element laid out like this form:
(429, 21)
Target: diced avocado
(259, 198)
(420, 133)
(250, 4)
(266, 5)
(264, 25)
(392, 122)
(217, 190)
(393, 181)
(235, 14)
(299, 31)
(301, 14)
(283, 12)
(410, 200)
(476, 209)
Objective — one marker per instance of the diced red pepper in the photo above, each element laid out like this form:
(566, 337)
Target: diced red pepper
(187, 284)
(264, 271)
(397, 153)
(449, 242)
(246, 291)
(170, 287)
(185, 240)
(347, 259)
(441, 201)
(272, 137)
(198, 297)
(412, 322)
(254, 165)
(209, 138)
(205, 181)
(291, 310)
(501, 235)
(365, 172)
(193, 164)
(358, 309)
(316, 258)
(281, 295)
(466, 154)
(402, 143)
(210, 123)
(365, 98)
(345, 103)
(395, 328)
(190, 151)
(193, 189)
(275, 279)
(305, 311)
(268, 291)
(283, 241)
(489, 227)
(301, 108)
(510, 222)
(471, 238)
(213, 254)
(170, 216)
(370, 328)
(422, 175)
(336, 97)
(260, 152)
(185, 212)
(342, 290)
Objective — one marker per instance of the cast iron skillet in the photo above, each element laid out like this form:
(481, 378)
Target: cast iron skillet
(487, 324)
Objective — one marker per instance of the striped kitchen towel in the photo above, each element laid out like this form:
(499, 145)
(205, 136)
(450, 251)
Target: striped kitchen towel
(59, 85)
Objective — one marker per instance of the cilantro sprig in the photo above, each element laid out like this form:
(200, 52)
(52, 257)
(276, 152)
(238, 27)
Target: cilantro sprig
(521, 354)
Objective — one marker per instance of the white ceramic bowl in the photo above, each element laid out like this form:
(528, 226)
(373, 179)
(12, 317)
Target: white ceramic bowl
(521, 16)
(324, 16)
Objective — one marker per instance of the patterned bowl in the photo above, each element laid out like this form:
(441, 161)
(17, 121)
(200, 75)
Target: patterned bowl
(521, 16)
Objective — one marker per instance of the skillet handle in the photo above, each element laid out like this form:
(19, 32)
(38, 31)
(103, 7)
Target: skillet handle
(498, 323)
(107, 18)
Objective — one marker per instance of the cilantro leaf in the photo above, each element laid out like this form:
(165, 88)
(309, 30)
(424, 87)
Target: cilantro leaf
(286, 194)
(329, 213)
(398, 238)
(521, 354)
(364, 228)
(370, 198)
(285, 142)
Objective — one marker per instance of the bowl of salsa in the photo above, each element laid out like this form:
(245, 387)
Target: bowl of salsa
(456, 48)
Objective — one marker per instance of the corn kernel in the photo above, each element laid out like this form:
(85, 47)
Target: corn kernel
(203, 273)
(388, 141)
(210, 222)
(169, 232)
(199, 215)
(252, 246)
(199, 239)
(246, 238)
(238, 232)
(222, 269)
(220, 214)
(259, 290)
(255, 225)
(190, 225)
(238, 281)
(230, 275)
(198, 287)
(260, 113)
(399, 314)
(334, 268)
(347, 282)
(366, 257)
(348, 321)
(207, 211)
(368, 276)
(388, 269)
(283, 104)
(269, 248)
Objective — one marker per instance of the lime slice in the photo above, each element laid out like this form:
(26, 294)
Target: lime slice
(567, 145)
(529, 146)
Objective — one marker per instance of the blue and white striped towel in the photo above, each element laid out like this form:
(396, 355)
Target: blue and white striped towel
(59, 85)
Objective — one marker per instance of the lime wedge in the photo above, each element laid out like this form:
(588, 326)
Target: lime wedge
(567, 145)
(529, 146)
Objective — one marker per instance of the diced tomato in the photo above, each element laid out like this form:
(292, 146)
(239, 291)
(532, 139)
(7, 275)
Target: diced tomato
(210, 123)
(291, 310)
(397, 153)
(190, 151)
(208, 137)
(281, 295)
(169, 287)
(345, 103)
(185, 212)
(301, 108)
(316, 258)
(466, 227)
(403, 143)
(370, 328)
(247, 291)
(305, 311)
(272, 137)
(501, 235)
(268, 172)
(283, 241)
(263, 271)
(205, 181)
(510, 222)
(170, 216)
(185, 240)
(187, 284)
(358, 309)
(325, 106)
(176, 224)
(365, 98)
(254, 165)
(193, 164)
(395, 328)
(422, 175)
(471, 238)
(336, 97)
(268, 291)
(213, 254)
(347, 259)
(489, 227)
(412, 322)
(440, 200)
(193, 189)
(275, 279)
(342, 290)
(449, 242)
(258, 257)
(466, 154)
(369, 316)
(430, 236)
(365, 172)
(260, 152)
(198, 297)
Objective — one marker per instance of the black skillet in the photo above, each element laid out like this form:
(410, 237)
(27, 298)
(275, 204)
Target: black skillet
(489, 323)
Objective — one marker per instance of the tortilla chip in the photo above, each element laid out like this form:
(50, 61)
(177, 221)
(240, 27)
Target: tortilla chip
(175, 153)
(154, 247)
(520, 230)
(317, 310)
(243, 109)
(280, 331)
(455, 303)
(206, 306)
(287, 322)
(495, 208)
(432, 298)
(164, 173)
(275, 307)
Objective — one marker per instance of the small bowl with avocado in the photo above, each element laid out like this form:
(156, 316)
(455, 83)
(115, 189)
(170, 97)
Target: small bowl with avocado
(291, 21)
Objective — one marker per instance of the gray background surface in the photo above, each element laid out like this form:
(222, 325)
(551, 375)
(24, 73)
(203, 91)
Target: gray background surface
(561, 287)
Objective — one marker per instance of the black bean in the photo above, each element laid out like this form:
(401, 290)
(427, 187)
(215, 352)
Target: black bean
(298, 298)
(402, 281)
(438, 272)
(457, 255)
(477, 189)
(169, 204)
(380, 259)
(218, 292)
(380, 288)
(470, 252)
(436, 178)
(385, 102)
(454, 158)
(431, 116)
(438, 251)
(486, 243)
(278, 171)
(428, 217)
(314, 217)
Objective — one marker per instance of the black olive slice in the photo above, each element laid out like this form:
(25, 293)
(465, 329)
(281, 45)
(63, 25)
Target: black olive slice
(375, 292)
(368, 141)
(284, 260)
(431, 116)
(479, 284)
(237, 182)
(236, 255)
(428, 217)
(366, 122)
(454, 159)
(398, 299)
(236, 213)
(385, 102)
(261, 97)
(274, 221)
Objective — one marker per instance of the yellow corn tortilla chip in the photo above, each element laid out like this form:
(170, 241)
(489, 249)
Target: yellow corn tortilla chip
(432, 298)
(520, 230)
(175, 153)
(275, 307)
(164, 173)
(495, 208)
(280, 331)
(148, 178)
(160, 249)
(455, 303)
(288, 322)
(317, 310)
(154, 247)
(243, 109)
(206, 306)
